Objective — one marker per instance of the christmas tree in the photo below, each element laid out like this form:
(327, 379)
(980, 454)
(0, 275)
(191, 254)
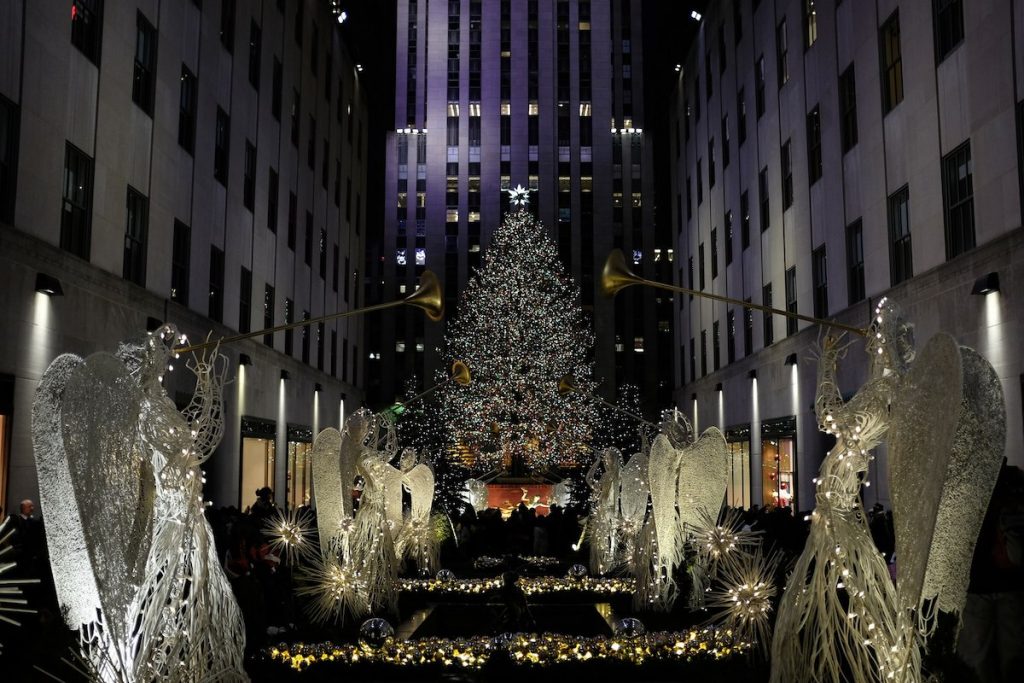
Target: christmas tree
(520, 328)
(621, 428)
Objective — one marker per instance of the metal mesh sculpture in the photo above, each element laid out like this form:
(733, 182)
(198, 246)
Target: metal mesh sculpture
(475, 494)
(605, 515)
(417, 539)
(120, 466)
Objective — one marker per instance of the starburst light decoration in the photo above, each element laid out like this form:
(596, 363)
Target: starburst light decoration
(744, 596)
(12, 603)
(518, 196)
(720, 545)
(335, 590)
(291, 534)
(520, 326)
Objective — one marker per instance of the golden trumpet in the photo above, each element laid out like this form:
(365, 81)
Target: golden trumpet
(567, 385)
(460, 375)
(616, 275)
(429, 297)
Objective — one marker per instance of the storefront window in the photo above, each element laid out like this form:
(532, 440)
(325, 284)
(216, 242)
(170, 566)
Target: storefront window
(738, 489)
(778, 456)
(300, 470)
(4, 426)
(259, 438)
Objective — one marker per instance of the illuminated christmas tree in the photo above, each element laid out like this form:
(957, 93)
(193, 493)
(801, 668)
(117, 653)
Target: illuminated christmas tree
(620, 428)
(520, 328)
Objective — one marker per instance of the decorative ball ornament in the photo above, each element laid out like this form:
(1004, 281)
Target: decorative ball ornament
(375, 632)
(502, 640)
(629, 627)
(577, 572)
(445, 576)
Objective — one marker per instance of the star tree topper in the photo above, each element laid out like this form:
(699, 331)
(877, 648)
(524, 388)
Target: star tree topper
(519, 195)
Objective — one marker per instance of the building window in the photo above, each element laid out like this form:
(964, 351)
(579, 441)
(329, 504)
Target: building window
(744, 219)
(308, 243)
(275, 96)
(135, 237)
(255, 41)
(289, 318)
(748, 330)
(958, 197)
(227, 24)
(791, 323)
(293, 219)
(323, 254)
(948, 16)
(8, 158)
(304, 333)
(787, 175)
(762, 195)
(737, 22)
(714, 253)
(810, 22)
(187, 111)
(272, 191)
(249, 179)
(268, 313)
(848, 109)
(700, 264)
(296, 114)
(730, 336)
(703, 353)
(711, 163)
(782, 53)
(766, 300)
(180, 257)
(334, 353)
(759, 75)
(76, 214)
(700, 183)
(144, 78)
(693, 360)
(728, 237)
(716, 344)
(820, 276)
(320, 346)
(222, 142)
(335, 269)
(725, 141)
(87, 27)
(216, 289)
(892, 63)
(741, 117)
(854, 262)
(689, 280)
(245, 300)
(814, 163)
(901, 261)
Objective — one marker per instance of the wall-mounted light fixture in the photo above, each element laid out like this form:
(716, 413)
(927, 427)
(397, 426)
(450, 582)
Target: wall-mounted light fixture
(986, 284)
(752, 374)
(153, 324)
(244, 359)
(317, 388)
(718, 387)
(791, 359)
(285, 374)
(48, 285)
(693, 397)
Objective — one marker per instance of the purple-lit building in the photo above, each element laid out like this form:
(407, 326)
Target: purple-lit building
(826, 154)
(491, 94)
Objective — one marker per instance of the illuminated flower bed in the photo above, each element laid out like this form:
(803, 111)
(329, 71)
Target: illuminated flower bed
(709, 644)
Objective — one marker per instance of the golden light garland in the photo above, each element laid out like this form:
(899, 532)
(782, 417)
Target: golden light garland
(530, 585)
(538, 561)
(520, 649)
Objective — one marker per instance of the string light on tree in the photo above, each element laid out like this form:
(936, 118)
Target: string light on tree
(520, 327)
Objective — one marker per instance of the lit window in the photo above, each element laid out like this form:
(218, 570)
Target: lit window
(402, 289)
(563, 183)
(400, 256)
(506, 182)
(400, 346)
(474, 109)
(421, 257)
(671, 255)
(637, 202)
(506, 109)
(402, 199)
(474, 249)
(638, 256)
(584, 108)
(474, 217)
(453, 109)
(419, 346)
(534, 182)
(657, 255)
(620, 347)
(586, 183)
(638, 344)
(617, 200)
(533, 109)
(452, 216)
(584, 25)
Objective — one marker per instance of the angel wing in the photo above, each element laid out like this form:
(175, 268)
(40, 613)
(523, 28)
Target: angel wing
(703, 477)
(924, 418)
(475, 493)
(357, 427)
(974, 464)
(420, 483)
(329, 489)
(663, 470)
(69, 556)
(634, 489)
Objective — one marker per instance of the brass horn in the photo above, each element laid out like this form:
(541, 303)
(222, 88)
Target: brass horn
(616, 275)
(429, 297)
(460, 375)
(565, 385)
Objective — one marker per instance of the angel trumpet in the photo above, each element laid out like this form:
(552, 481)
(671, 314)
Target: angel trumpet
(616, 275)
(428, 297)
(460, 375)
(567, 385)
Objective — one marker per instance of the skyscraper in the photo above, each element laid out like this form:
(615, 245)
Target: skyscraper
(491, 94)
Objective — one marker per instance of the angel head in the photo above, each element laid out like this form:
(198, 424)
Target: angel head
(890, 342)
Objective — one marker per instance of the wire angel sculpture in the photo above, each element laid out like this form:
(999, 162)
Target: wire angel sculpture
(474, 493)
(417, 538)
(942, 412)
(605, 513)
(132, 554)
(335, 455)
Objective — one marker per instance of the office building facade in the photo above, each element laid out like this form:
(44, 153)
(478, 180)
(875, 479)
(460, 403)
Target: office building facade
(492, 94)
(827, 154)
(199, 163)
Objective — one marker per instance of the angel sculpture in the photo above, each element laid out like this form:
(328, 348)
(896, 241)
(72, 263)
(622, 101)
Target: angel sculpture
(605, 515)
(133, 557)
(634, 492)
(475, 494)
(417, 539)
(335, 455)
(838, 616)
